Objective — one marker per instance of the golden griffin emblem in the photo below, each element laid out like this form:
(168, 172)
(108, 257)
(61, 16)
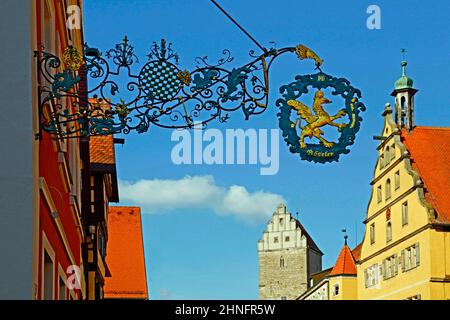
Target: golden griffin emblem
(315, 121)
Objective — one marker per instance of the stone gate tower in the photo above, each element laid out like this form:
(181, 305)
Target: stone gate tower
(287, 257)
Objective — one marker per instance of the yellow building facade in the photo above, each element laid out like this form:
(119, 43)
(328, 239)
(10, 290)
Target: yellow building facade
(405, 251)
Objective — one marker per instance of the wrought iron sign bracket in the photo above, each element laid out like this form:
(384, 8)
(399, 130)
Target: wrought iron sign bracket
(80, 96)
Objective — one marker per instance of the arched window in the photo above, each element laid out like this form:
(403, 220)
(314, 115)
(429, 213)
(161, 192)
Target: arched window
(403, 105)
(388, 231)
(393, 152)
(379, 194)
(382, 161)
(388, 189)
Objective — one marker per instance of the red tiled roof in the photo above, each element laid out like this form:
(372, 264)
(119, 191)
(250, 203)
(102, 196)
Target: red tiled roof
(125, 255)
(429, 148)
(345, 263)
(101, 150)
(356, 252)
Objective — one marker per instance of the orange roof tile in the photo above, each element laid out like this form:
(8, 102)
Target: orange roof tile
(101, 150)
(429, 148)
(345, 263)
(125, 255)
(356, 252)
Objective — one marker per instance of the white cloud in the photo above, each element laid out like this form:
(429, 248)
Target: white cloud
(199, 192)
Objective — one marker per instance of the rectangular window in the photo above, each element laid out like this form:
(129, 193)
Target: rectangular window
(404, 213)
(336, 290)
(275, 240)
(390, 267)
(410, 257)
(371, 276)
(62, 290)
(48, 277)
(372, 233)
(379, 194)
(397, 180)
(286, 239)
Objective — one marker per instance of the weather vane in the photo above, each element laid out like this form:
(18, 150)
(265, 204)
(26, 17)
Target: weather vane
(345, 235)
(164, 95)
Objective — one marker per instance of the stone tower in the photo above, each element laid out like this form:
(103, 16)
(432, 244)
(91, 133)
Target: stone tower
(287, 257)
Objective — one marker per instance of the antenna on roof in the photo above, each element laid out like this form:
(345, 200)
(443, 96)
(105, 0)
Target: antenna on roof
(297, 215)
(345, 235)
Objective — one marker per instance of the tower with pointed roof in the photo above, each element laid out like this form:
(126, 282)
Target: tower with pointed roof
(405, 249)
(404, 99)
(338, 282)
(287, 257)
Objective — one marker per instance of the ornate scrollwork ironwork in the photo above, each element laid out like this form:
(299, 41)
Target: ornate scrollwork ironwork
(159, 94)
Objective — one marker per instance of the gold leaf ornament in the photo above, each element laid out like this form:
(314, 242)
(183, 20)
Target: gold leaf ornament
(72, 58)
(184, 77)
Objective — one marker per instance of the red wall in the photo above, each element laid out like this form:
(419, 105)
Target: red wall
(49, 170)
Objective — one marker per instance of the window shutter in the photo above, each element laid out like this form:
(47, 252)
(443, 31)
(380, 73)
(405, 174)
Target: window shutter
(376, 274)
(383, 269)
(403, 260)
(395, 265)
(417, 254)
(366, 278)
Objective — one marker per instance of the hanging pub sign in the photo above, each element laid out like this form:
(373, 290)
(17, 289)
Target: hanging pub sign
(162, 94)
(311, 117)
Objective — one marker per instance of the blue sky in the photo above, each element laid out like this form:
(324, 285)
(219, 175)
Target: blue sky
(200, 253)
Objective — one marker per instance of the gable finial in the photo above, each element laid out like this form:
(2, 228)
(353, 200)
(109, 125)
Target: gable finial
(345, 235)
(404, 62)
